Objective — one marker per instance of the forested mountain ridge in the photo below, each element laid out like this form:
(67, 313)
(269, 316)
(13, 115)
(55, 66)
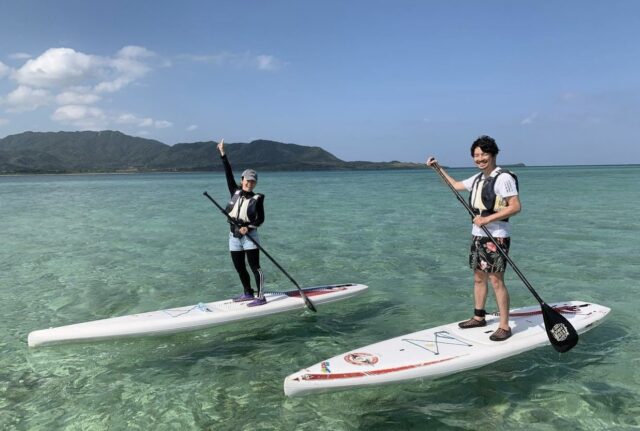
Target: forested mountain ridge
(113, 151)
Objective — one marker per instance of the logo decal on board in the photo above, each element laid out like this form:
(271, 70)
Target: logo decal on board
(324, 366)
(361, 359)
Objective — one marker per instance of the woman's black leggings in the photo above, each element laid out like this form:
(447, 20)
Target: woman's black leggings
(253, 256)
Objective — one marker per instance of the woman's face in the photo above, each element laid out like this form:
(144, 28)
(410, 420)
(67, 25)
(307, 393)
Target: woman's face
(483, 160)
(248, 185)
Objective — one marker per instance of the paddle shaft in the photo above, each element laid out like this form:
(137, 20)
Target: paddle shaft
(486, 231)
(307, 301)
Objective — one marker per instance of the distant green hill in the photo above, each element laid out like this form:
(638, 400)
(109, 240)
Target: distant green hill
(75, 152)
(112, 151)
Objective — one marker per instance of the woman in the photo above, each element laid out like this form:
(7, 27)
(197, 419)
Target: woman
(247, 209)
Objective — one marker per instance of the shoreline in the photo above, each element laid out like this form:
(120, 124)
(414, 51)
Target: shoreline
(408, 168)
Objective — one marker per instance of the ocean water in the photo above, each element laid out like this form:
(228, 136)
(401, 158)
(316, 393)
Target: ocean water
(84, 247)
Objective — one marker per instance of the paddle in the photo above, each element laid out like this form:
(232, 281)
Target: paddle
(307, 301)
(561, 333)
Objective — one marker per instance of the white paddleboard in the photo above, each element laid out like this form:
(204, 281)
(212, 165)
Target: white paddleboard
(191, 317)
(437, 352)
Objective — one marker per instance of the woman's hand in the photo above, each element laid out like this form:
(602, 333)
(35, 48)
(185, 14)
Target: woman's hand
(430, 161)
(243, 230)
(221, 147)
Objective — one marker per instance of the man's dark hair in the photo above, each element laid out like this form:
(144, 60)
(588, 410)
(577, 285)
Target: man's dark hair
(487, 144)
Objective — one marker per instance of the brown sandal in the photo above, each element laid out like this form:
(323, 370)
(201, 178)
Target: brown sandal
(472, 323)
(500, 334)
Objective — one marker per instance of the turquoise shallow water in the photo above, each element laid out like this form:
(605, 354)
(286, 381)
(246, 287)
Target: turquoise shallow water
(85, 247)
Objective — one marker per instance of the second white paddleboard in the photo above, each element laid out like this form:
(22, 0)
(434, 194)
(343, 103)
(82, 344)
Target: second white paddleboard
(191, 317)
(437, 352)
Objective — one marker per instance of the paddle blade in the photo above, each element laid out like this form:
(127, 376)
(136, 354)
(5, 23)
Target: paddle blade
(561, 333)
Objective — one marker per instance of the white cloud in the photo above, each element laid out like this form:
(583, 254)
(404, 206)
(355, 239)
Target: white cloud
(86, 117)
(58, 67)
(268, 62)
(112, 86)
(239, 60)
(133, 51)
(77, 97)
(77, 82)
(25, 98)
(217, 59)
(64, 67)
(146, 122)
(125, 68)
(192, 127)
(20, 56)
(3, 121)
(4, 70)
(530, 119)
(130, 119)
(74, 80)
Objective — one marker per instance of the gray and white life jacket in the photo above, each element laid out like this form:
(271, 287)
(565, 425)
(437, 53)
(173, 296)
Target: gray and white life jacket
(483, 198)
(243, 208)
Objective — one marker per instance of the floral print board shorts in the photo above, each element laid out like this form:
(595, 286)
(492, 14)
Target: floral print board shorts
(484, 255)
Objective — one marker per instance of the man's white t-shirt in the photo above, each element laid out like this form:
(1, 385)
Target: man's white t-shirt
(505, 186)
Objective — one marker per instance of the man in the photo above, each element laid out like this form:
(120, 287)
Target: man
(494, 198)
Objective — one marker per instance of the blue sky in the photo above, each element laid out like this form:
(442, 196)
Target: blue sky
(553, 82)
